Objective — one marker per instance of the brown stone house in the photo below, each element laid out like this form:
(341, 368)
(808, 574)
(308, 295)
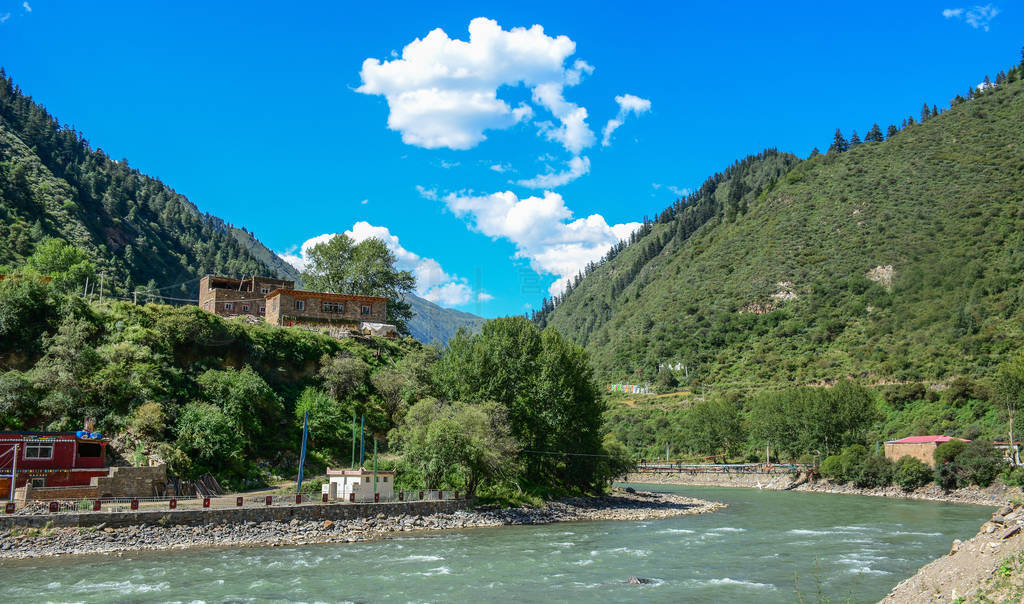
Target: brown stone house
(229, 297)
(324, 311)
(918, 447)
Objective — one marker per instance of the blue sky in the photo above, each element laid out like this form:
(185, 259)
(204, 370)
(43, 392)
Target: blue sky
(489, 183)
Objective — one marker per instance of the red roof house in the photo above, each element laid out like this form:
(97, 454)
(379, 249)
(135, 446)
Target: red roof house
(918, 447)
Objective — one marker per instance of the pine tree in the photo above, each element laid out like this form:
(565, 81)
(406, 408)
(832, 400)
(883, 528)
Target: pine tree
(874, 135)
(893, 130)
(926, 113)
(854, 139)
(935, 110)
(910, 120)
(815, 152)
(839, 144)
(1000, 78)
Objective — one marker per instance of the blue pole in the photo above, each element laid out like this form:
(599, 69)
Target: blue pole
(302, 454)
(362, 443)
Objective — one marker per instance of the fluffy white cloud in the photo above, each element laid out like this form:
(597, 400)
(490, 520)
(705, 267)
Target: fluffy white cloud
(27, 8)
(443, 92)
(542, 229)
(978, 17)
(432, 282)
(4, 17)
(628, 103)
(578, 166)
(677, 191)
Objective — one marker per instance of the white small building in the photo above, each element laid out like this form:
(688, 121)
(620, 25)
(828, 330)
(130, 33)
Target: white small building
(344, 482)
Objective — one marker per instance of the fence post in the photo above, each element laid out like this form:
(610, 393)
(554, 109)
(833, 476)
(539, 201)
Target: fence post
(376, 497)
(352, 497)
(206, 502)
(324, 498)
(173, 503)
(401, 496)
(135, 504)
(54, 506)
(238, 501)
(270, 499)
(298, 498)
(96, 505)
(9, 508)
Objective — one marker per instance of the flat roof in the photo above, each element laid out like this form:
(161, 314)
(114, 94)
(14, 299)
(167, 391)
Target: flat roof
(361, 472)
(305, 295)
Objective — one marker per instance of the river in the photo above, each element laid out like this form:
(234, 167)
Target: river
(764, 547)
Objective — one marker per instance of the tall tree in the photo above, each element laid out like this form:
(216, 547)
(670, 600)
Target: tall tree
(854, 139)
(1010, 388)
(926, 112)
(893, 131)
(874, 135)
(366, 268)
(839, 144)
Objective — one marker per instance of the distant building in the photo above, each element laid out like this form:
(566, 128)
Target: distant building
(343, 482)
(332, 313)
(229, 297)
(918, 447)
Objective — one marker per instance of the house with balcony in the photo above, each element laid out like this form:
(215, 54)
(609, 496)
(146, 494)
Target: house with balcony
(230, 297)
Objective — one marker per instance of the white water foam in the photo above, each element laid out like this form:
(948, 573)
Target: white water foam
(676, 532)
(727, 529)
(736, 582)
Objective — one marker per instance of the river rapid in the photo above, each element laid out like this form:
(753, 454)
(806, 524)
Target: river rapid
(764, 547)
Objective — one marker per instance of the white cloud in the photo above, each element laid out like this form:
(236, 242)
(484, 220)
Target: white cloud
(4, 17)
(364, 202)
(678, 191)
(426, 193)
(449, 164)
(28, 8)
(501, 168)
(484, 297)
(978, 17)
(578, 166)
(443, 92)
(542, 229)
(432, 281)
(628, 103)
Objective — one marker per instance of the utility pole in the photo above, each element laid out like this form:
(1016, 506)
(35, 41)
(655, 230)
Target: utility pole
(666, 451)
(85, 290)
(362, 441)
(135, 298)
(14, 471)
(353, 440)
(374, 468)
(101, 287)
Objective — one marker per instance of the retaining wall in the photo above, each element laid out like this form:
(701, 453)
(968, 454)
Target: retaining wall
(281, 513)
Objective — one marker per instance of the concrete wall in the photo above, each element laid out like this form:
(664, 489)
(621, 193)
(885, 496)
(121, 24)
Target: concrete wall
(132, 481)
(317, 512)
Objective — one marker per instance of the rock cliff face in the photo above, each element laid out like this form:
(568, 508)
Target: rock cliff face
(986, 568)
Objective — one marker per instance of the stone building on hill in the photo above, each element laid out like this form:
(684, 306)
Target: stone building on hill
(336, 314)
(229, 297)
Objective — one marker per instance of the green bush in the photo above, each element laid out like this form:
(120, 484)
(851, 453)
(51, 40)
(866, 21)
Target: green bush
(911, 473)
(948, 475)
(1014, 477)
(846, 466)
(980, 462)
(832, 468)
(875, 472)
(948, 451)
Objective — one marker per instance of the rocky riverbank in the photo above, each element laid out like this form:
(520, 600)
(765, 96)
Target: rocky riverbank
(995, 495)
(621, 504)
(986, 568)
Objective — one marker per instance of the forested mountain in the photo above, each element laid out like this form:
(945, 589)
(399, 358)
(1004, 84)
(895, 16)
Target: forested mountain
(897, 258)
(140, 233)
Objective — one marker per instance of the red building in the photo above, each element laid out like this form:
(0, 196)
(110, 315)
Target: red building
(51, 459)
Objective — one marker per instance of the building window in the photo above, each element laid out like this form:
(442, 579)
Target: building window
(229, 306)
(245, 308)
(38, 451)
(90, 450)
(334, 306)
(263, 310)
(300, 305)
(38, 481)
(264, 290)
(366, 309)
(273, 305)
(384, 478)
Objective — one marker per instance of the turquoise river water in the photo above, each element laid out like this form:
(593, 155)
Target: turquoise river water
(764, 548)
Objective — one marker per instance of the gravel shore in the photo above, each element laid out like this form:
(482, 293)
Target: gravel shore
(618, 505)
(995, 495)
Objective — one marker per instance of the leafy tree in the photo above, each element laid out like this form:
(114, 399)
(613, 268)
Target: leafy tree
(210, 438)
(714, 426)
(980, 462)
(149, 420)
(343, 374)
(366, 268)
(18, 400)
(1010, 389)
(253, 408)
(393, 387)
(27, 310)
(845, 466)
(328, 420)
(875, 472)
(68, 266)
(458, 444)
(666, 382)
(948, 451)
(911, 473)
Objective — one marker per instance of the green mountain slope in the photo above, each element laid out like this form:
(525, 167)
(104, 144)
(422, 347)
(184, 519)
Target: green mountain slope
(796, 285)
(433, 323)
(138, 231)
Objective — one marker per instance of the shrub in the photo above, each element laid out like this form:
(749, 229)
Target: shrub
(846, 466)
(980, 462)
(911, 473)
(947, 475)
(1014, 477)
(832, 468)
(948, 451)
(875, 471)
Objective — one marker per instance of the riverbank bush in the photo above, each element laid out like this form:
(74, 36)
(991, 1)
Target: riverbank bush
(875, 471)
(911, 473)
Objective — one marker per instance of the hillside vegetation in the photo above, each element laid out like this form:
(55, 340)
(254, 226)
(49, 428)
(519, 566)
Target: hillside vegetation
(895, 261)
